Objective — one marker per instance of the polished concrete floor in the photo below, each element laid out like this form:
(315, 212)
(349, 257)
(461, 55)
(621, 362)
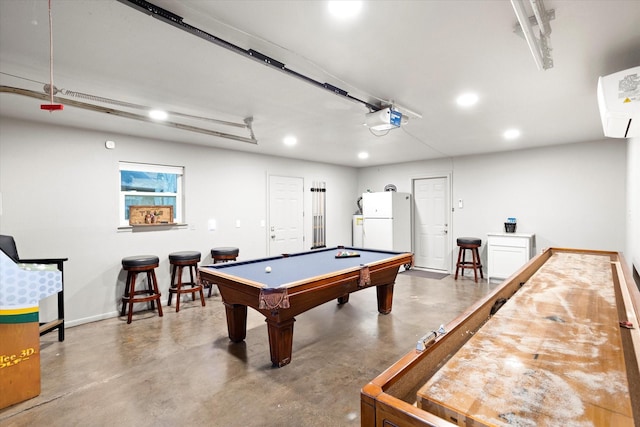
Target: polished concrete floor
(182, 370)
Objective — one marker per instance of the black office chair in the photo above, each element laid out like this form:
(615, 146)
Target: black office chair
(8, 246)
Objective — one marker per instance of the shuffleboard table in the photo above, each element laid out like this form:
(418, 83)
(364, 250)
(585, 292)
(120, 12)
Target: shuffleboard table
(547, 347)
(282, 287)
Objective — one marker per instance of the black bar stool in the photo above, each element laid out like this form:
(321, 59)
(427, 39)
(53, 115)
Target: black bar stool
(178, 261)
(222, 254)
(472, 244)
(140, 264)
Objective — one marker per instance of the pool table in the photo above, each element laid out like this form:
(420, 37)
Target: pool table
(297, 283)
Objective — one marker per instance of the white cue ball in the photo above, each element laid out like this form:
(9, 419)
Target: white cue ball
(267, 269)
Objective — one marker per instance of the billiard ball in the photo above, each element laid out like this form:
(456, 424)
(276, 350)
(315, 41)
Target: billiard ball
(267, 269)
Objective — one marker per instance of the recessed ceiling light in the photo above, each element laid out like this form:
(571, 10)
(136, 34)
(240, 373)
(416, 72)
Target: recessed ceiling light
(345, 9)
(290, 141)
(158, 115)
(511, 134)
(467, 99)
(363, 155)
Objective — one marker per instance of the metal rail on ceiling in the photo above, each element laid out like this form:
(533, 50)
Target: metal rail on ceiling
(128, 115)
(177, 21)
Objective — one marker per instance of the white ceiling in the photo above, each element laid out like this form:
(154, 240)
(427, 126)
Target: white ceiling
(418, 54)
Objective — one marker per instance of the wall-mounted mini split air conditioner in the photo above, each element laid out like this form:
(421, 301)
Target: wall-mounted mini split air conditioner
(619, 103)
(385, 119)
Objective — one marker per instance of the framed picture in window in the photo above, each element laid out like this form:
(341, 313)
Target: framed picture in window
(150, 215)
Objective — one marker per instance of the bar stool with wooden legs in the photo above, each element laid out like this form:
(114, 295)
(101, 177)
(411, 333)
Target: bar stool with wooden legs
(140, 264)
(472, 244)
(178, 261)
(222, 254)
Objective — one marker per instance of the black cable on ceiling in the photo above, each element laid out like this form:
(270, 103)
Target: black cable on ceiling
(177, 21)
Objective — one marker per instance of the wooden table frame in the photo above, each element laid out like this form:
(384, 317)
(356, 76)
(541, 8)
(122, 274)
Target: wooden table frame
(389, 399)
(237, 295)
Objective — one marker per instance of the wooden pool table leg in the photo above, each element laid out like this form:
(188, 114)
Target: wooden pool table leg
(280, 341)
(385, 298)
(343, 299)
(236, 321)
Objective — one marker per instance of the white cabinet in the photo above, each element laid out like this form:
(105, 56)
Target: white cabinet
(507, 252)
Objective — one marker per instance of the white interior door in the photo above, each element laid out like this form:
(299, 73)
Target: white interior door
(431, 223)
(286, 215)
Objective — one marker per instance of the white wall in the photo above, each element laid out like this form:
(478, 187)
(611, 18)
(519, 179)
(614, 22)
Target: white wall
(60, 189)
(569, 196)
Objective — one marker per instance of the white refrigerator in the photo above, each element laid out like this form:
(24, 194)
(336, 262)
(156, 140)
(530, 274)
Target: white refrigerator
(386, 221)
(356, 227)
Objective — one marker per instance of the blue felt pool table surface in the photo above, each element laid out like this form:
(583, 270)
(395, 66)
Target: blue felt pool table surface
(288, 270)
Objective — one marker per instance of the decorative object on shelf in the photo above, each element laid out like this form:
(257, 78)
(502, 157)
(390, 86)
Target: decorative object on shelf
(151, 215)
(510, 225)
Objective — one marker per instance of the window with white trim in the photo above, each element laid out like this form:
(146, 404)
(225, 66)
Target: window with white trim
(150, 185)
